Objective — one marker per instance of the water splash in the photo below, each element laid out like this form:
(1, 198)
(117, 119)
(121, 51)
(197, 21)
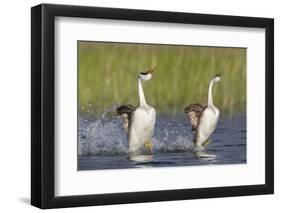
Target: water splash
(100, 136)
(105, 136)
(111, 108)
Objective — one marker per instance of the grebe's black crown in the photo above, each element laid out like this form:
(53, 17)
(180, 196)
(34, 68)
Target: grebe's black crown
(149, 71)
(217, 75)
(145, 73)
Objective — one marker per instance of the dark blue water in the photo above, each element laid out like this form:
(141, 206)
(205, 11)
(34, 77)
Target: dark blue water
(103, 144)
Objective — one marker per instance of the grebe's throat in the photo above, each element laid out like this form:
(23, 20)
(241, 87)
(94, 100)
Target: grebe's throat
(210, 95)
(141, 94)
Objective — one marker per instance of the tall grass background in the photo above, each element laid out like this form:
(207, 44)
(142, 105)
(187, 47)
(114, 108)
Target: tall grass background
(107, 74)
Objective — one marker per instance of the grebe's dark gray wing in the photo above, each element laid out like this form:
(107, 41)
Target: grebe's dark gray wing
(126, 111)
(193, 113)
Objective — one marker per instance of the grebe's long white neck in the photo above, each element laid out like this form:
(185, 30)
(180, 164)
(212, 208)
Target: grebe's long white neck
(210, 95)
(141, 94)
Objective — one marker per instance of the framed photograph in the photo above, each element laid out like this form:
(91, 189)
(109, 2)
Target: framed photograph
(139, 106)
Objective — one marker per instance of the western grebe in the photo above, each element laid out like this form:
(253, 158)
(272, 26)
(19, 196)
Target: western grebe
(204, 119)
(139, 122)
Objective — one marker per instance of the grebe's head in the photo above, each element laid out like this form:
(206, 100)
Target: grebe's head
(145, 76)
(217, 78)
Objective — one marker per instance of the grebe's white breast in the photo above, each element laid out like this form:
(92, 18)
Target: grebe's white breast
(142, 127)
(208, 123)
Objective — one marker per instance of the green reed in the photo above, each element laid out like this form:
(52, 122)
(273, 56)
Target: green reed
(108, 75)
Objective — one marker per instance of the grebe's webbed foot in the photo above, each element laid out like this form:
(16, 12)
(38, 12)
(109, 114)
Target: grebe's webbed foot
(148, 146)
(206, 143)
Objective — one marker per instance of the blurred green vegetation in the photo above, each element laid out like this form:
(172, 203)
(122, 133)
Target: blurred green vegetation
(108, 75)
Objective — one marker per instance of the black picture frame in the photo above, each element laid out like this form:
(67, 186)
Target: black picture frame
(43, 102)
